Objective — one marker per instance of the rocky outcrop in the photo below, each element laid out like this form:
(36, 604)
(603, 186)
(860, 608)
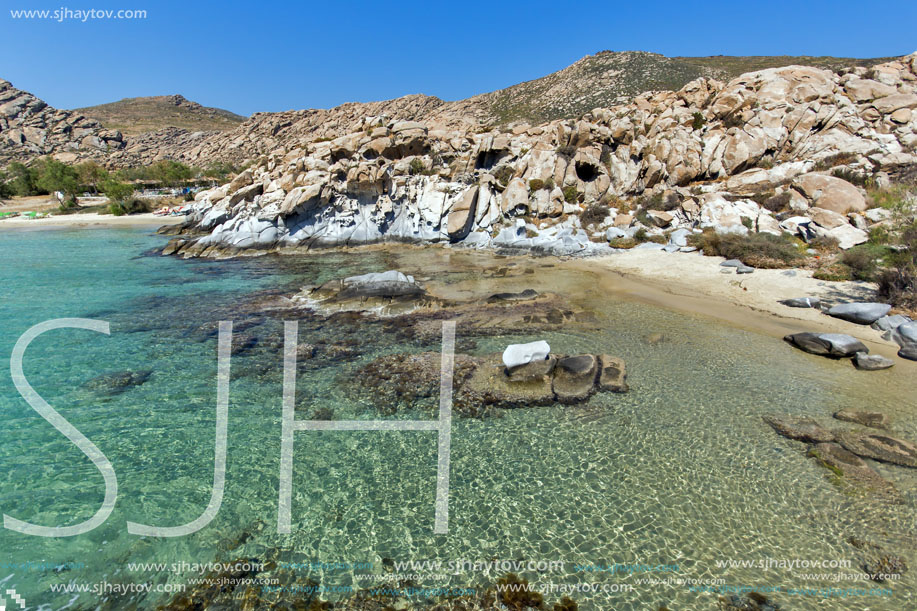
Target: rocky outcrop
(413, 175)
(483, 383)
(29, 128)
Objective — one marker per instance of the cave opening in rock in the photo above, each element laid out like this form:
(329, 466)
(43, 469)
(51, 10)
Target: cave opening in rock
(586, 171)
(488, 159)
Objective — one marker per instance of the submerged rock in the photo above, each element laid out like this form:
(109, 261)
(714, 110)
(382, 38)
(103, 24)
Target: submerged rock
(521, 296)
(876, 420)
(613, 374)
(118, 382)
(800, 428)
(880, 447)
(850, 469)
(380, 284)
(519, 354)
(837, 345)
(483, 383)
(860, 313)
(871, 362)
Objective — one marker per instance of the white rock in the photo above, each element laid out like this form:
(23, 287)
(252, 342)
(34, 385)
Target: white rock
(520, 354)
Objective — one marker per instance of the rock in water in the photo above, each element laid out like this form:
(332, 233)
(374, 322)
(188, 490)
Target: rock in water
(613, 374)
(802, 302)
(520, 354)
(876, 420)
(574, 378)
(835, 345)
(799, 428)
(118, 382)
(880, 447)
(849, 468)
(871, 362)
(380, 284)
(860, 313)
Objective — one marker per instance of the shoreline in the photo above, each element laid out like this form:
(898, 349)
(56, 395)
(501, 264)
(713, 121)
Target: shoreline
(90, 220)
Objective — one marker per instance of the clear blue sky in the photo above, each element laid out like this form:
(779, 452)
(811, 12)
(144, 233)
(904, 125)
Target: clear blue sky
(271, 55)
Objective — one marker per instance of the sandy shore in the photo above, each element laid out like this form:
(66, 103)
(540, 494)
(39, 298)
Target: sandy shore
(697, 284)
(89, 220)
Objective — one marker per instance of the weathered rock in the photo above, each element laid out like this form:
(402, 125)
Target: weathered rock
(800, 428)
(890, 323)
(860, 313)
(905, 335)
(881, 447)
(380, 284)
(835, 345)
(519, 354)
(876, 420)
(831, 193)
(575, 378)
(613, 374)
(491, 386)
(871, 362)
(802, 302)
(525, 295)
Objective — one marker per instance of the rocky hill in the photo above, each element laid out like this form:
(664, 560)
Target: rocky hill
(752, 155)
(133, 116)
(29, 128)
(188, 132)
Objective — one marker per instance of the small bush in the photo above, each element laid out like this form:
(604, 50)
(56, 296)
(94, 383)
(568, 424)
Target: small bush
(131, 206)
(504, 174)
(837, 272)
(835, 160)
(549, 184)
(763, 250)
(698, 122)
(898, 286)
(641, 236)
(593, 214)
(566, 151)
(855, 178)
(733, 120)
(417, 166)
(570, 194)
(862, 261)
(777, 203)
(623, 242)
(536, 184)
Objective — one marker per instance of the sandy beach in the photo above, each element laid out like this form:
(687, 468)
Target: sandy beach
(698, 284)
(89, 220)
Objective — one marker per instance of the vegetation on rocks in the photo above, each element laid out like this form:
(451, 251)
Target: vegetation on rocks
(762, 250)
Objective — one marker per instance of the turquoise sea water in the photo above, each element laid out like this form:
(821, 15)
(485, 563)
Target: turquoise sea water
(680, 471)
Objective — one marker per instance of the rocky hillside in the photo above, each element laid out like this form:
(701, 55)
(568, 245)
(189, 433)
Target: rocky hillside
(738, 157)
(172, 127)
(133, 116)
(30, 128)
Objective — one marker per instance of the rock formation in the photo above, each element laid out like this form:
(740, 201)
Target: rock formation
(705, 153)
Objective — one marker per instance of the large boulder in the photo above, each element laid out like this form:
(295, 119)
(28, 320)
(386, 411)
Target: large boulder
(519, 354)
(461, 217)
(860, 313)
(831, 193)
(836, 345)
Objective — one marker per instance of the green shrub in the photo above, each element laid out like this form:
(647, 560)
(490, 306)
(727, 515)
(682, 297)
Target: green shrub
(624, 242)
(862, 261)
(898, 283)
(130, 206)
(835, 160)
(777, 203)
(417, 166)
(641, 235)
(837, 272)
(504, 174)
(593, 214)
(854, 178)
(536, 184)
(570, 194)
(762, 250)
(698, 122)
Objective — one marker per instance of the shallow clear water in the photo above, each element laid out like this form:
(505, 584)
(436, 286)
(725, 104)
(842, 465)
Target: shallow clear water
(680, 471)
